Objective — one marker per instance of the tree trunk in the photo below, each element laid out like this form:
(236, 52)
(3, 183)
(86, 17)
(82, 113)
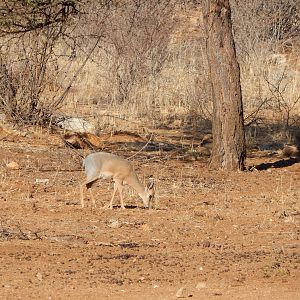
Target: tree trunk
(229, 150)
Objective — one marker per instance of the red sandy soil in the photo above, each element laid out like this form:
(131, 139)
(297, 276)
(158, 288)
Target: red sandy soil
(220, 235)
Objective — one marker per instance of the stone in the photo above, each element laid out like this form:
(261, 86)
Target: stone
(76, 124)
(201, 285)
(42, 181)
(39, 276)
(114, 223)
(13, 165)
(184, 292)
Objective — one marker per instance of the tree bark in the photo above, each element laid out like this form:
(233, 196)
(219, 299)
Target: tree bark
(229, 150)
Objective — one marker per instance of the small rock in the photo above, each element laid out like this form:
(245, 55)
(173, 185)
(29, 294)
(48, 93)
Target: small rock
(76, 124)
(183, 292)
(2, 117)
(201, 285)
(13, 165)
(42, 181)
(114, 223)
(145, 227)
(39, 276)
(206, 244)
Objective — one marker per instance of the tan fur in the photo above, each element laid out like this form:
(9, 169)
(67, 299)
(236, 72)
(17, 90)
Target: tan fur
(102, 165)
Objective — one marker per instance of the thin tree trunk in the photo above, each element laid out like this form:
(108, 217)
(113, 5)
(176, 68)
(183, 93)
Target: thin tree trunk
(229, 150)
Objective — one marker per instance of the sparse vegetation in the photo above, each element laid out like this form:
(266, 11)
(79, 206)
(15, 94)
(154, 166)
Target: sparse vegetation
(130, 77)
(144, 61)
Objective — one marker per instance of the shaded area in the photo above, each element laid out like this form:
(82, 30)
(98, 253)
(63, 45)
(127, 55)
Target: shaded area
(278, 164)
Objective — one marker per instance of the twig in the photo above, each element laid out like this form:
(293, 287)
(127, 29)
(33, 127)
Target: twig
(254, 113)
(62, 97)
(142, 147)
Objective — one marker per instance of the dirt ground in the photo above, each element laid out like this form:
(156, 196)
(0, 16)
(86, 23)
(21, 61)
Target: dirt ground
(215, 234)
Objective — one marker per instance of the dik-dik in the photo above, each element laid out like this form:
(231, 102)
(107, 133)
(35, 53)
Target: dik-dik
(102, 165)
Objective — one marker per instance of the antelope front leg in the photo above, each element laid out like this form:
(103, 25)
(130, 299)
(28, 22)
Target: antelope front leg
(121, 197)
(119, 186)
(113, 196)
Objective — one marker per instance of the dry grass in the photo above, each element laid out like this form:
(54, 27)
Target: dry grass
(133, 80)
(180, 91)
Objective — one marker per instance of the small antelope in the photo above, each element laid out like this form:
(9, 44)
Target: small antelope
(102, 165)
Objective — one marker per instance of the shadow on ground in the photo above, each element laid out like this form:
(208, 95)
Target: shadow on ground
(278, 164)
